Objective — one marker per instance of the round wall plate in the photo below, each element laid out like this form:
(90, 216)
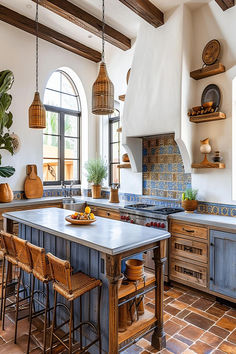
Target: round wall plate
(211, 52)
(211, 93)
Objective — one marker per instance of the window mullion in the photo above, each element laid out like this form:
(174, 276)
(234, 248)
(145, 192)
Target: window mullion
(62, 146)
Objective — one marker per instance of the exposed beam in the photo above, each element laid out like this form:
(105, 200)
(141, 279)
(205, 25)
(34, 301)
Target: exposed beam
(225, 4)
(146, 10)
(83, 19)
(26, 24)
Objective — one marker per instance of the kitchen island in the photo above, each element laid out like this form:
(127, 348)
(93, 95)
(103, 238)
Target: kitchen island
(97, 250)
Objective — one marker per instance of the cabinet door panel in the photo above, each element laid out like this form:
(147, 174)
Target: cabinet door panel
(223, 263)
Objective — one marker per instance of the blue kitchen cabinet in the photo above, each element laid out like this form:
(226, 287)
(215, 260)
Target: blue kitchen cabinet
(223, 263)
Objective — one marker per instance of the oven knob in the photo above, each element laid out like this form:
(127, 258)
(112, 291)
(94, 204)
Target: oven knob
(147, 224)
(158, 224)
(163, 225)
(152, 224)
(127, 218)
(121, 217)
(155, 224)
(132, 221)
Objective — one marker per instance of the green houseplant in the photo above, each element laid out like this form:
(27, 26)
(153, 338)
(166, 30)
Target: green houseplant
(96, 172)
(6, 141)
(189, 200)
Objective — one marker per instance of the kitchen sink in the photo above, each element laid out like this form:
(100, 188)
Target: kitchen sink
(73, 205)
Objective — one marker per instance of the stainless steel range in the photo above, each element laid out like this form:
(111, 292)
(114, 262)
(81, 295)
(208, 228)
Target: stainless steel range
(150, 216)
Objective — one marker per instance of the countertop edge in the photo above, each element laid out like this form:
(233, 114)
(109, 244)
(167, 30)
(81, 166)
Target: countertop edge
(206, 219)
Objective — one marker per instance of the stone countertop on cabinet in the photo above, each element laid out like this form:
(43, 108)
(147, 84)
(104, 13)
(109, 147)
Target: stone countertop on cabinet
(101, 202)
(29, 202)
(216, 221)
(105, 235)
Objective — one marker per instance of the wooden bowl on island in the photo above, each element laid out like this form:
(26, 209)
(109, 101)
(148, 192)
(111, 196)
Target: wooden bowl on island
(134, 269)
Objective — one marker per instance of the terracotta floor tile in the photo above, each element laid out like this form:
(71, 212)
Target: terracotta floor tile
(222, 306)
(188, 351)
(231, 312)
(187, 298)
(228, 347)
(227, 322)
(213, 310)
(232, 337)
(211, 339)
(179, 304)
(143, 343)
(201, 348)
(191, 332)
(2, 341)
(199, 321)
(167, 316)
(168, 300)
(165, 351)
(179, 322)
(172, 310)
(174, 293)
(183, 314)
(218, 351)
(175, 346)
(151, 295)
(36, 351)
(134, 349)
(11, 348)
(202, 304)
(150, 307)
(171, 327)
(203, 313)
(183, 339)
(151, 349)
(219, 331)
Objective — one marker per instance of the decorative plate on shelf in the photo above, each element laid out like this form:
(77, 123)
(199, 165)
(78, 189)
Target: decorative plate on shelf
(79, 222)
(211, 93)
(211, 52)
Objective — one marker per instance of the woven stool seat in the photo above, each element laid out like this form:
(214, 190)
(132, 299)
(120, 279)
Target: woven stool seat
(80, 284)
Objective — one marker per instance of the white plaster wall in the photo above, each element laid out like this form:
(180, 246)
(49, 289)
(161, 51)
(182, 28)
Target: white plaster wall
(18, 55)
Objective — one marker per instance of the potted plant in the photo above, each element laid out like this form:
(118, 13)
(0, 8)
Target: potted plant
(6, 141)
(96, 172)
(189, 200)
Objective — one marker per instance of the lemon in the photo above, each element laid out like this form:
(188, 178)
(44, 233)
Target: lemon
(76, 214)
(87, 210)
(92, 216)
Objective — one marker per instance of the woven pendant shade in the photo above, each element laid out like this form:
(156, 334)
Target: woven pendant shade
(37, 113)
(103, 93)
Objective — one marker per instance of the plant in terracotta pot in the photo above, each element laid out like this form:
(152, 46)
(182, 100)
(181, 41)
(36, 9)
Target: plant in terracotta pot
(6, 141)
(189, 200)
(96, 172)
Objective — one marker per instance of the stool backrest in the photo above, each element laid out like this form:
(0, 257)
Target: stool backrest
(22, 251)
(60, 271)
(39, 261)
(8, 243)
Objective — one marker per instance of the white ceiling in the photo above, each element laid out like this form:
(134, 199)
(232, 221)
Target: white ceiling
(117, 15)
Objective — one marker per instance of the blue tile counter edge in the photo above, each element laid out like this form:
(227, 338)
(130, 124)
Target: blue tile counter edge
(206, 219)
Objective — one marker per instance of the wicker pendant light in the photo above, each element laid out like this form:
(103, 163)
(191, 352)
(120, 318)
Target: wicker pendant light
(103, 89)
(37, 112)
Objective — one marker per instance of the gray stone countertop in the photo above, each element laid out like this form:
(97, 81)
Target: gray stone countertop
(206, 219)
(28, 202)
(101, 202)
(105, 235)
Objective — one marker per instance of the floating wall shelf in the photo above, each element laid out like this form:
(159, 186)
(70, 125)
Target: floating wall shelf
(207, 71)
(207, 117)
(122, 98)
(124, 165)
(207, 164)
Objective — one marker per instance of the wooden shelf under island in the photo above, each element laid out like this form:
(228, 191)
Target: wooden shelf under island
(126, 290)
(209, 117)
(207, 71)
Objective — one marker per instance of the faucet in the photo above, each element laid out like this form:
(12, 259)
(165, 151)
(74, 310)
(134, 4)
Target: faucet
(63, 189)
(71, 185)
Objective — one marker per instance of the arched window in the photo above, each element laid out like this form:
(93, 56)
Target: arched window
(61, 137)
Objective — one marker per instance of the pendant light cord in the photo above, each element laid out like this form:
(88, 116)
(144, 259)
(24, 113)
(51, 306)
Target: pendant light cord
(103, 30)
(37, 44)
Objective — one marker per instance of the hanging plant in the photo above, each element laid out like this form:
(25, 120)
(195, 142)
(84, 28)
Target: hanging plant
(6, 119)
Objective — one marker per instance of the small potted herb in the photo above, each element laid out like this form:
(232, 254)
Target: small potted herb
(189, 200)
(96, 172)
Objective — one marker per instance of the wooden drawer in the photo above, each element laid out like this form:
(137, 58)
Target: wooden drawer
(191, 249)
(106, 213)
(188, 272)
(189, 230)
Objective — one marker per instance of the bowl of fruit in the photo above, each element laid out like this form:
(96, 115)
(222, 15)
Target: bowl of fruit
(84, 218)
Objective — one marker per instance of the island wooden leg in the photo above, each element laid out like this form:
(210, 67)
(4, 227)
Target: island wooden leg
(159, 337)
(113, 270)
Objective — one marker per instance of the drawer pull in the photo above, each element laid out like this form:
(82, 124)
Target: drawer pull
(188, 249)
(211, 279)
(188, 272)
(108, 214)
(212, 244)
(187, 230)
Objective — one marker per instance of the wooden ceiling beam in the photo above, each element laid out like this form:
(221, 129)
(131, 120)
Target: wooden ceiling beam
(146, 10)
(26, 24)
(225, 4)
(88, 22)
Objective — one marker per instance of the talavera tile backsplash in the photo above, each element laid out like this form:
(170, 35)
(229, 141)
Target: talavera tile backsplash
(163, 170)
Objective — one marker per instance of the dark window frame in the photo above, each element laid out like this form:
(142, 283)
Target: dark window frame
(111, 121)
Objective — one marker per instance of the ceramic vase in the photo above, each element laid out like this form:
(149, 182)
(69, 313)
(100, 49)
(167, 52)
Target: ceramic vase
(205, 147)
(6, 194)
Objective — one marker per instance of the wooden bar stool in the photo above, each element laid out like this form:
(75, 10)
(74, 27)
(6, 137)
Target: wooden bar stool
(3, 257)
(41, 271)
(72, 287)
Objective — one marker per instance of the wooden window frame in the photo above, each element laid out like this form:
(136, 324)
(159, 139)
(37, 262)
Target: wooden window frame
(111, 122)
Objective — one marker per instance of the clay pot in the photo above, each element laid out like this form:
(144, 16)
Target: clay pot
(96, 191)
(189, 205)
(6, 194)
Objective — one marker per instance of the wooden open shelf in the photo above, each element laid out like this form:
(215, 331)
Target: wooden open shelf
(119, 130)
(207, 71)
(144, 323)
(207, 117)
(124, 165)
(131, 287)
(210, 165)
(122, 98)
